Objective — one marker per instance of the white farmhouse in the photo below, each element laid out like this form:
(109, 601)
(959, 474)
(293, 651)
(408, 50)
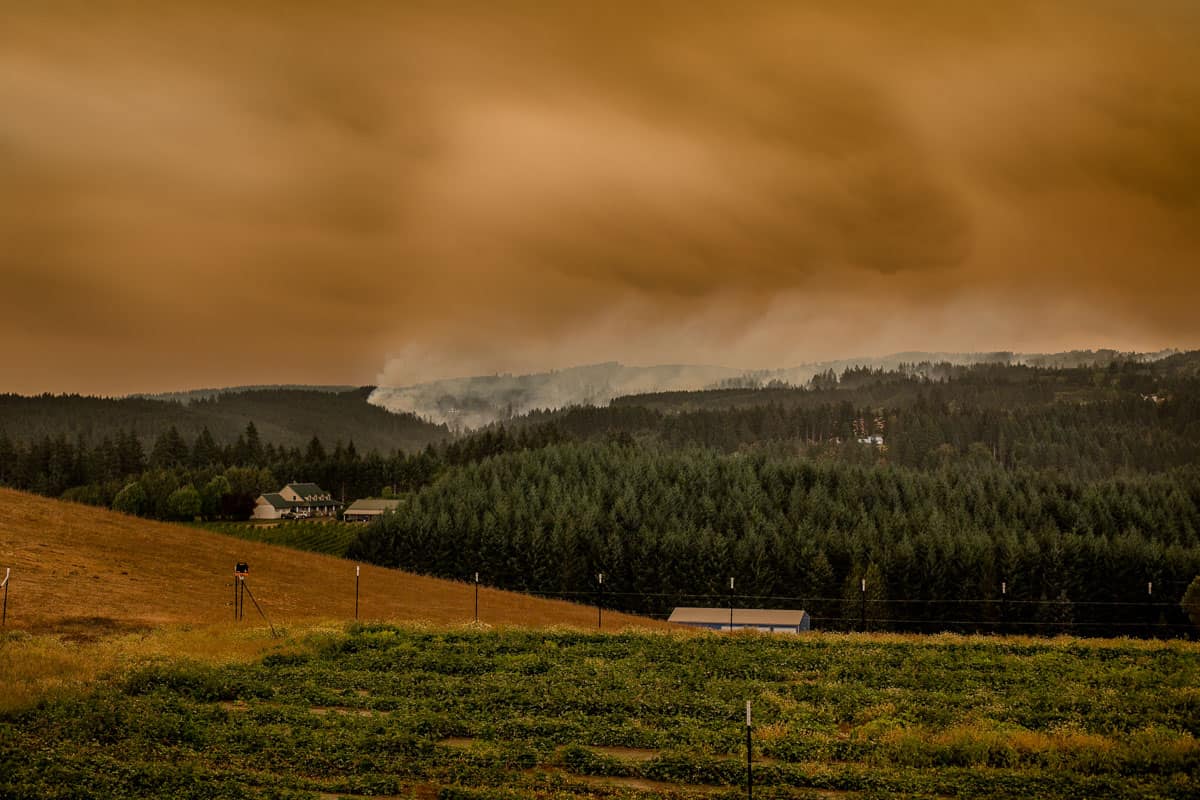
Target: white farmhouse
(296, 501)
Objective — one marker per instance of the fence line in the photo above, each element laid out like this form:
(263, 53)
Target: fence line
(1152, 617)
(725, 597)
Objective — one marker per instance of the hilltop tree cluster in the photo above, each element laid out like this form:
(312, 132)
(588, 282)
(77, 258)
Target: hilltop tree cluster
(165, 482)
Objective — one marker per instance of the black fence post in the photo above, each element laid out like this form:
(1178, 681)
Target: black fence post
(1150, 609)
(477, 597)
(731, 605)
(356, 573)
(864, 604)
(600, 601)
(240, 570)
(749, 757)
(4, 614)
(1004, 607)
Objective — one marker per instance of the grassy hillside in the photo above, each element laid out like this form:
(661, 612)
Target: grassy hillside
(460, 714)
(288, 417)
(72, 561)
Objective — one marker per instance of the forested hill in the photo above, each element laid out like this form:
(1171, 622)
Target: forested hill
(1076, 489)
(1085, 422)
(289, 417)
(991, 385)
(934, 546)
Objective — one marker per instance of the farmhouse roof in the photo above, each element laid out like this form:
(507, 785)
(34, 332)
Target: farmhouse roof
(306, 490)
(276, 500)
(741, 616)
(368, 504)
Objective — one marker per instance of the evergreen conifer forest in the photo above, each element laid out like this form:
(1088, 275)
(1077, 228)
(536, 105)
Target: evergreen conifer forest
(997, 497)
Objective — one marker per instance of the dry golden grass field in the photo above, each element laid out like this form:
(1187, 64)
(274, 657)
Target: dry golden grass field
(81, 569)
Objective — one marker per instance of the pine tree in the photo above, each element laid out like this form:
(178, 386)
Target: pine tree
(253, 446)
(169, 450)
(205, 452)
(1191, 601)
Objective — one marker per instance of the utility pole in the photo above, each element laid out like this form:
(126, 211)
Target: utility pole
(240, 571)
(600, 601)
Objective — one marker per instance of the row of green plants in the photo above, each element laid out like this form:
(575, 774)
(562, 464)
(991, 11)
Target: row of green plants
(471, 713)
(317, 536)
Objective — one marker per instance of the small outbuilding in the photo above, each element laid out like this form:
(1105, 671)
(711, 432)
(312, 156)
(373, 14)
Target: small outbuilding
(271, 506)
(768, 620)
(369, 508)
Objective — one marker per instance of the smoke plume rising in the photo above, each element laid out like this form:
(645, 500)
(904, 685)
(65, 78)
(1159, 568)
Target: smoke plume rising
(209, 193)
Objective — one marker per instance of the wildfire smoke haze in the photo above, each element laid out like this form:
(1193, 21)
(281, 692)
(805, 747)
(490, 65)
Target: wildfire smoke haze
(217, 193)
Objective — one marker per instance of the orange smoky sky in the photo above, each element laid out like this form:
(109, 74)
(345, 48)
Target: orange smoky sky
(215, 193)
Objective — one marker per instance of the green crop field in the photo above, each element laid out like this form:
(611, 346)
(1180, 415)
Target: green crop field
(417, 712)
(319, 536)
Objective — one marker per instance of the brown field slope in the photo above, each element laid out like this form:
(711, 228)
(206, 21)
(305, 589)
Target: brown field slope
(72, 562)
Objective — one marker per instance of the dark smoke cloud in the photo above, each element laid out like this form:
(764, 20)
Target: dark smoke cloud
(216, 193)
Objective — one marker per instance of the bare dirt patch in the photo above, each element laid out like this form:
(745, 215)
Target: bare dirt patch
(460, 742)
(641, 785)
(85, 630)
(627, 753)
(346, 710)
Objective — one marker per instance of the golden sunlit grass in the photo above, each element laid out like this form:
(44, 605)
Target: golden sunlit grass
(90, 569)
(94, 592)
(42, 665)
(984, 744)
(38, 666)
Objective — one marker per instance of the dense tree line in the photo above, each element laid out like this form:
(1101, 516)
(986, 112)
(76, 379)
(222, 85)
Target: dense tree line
(983, 385)
(284, 416)
(173, 476)
(1124, 436)
(664, 525)
(1093, 440)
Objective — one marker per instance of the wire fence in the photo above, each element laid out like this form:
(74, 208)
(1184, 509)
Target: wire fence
(1158, 616)
(1152, 618)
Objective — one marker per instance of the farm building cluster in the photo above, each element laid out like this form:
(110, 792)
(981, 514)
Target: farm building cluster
(308, 501)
